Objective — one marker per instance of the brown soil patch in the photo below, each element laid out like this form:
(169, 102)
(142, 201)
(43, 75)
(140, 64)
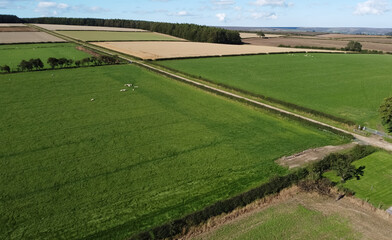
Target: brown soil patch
(165, 50)
(254, 35)
(372, 223)
(311, 155)
(17, 29)
(27, 37)
(92, 53)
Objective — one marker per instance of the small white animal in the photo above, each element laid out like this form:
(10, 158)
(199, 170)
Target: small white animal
(123, 90)
(92, 100)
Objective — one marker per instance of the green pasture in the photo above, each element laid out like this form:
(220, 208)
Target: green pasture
(12, 55)
(375, 185)
(74, 168)
(117, 36)
(350, 86)
(285, 221)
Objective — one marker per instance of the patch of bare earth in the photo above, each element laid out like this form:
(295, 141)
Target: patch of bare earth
(370, 222)
(311, 155)
(166, 50)
(17, 29)
(27, 37)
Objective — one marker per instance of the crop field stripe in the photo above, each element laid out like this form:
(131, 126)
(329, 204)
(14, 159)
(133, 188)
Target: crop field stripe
(98, 154)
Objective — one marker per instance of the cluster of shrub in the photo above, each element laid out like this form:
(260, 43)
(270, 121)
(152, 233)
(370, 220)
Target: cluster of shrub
(191, 32)
(352, 46)
(37, 64)
(275, 185)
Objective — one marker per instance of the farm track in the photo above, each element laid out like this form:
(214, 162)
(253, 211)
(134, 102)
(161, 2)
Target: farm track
(373, 140)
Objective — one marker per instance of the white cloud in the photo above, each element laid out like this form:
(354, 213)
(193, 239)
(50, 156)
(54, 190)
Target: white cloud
(271, 3)
(180, 14)
(270, 16)
(221, 17)
(223, 2)
(372, 7)
(56, 8)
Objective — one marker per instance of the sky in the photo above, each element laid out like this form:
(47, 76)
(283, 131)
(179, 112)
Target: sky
(248, 13)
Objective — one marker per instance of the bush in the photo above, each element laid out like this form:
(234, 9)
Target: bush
(354, 46)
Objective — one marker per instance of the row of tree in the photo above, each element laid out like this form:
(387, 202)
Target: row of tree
(37, 64)
(10, 19)
(191, 32)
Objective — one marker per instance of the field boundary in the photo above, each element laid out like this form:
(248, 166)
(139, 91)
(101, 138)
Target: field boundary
(265, 98)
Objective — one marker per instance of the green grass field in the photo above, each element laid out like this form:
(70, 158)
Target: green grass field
(12, 55)
(74, 168)
(117, 36)
(285, 221)
(351, 86)
(375, 185)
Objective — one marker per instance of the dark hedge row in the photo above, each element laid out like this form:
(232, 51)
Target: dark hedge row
(275, 185)
(191, 32)
(178, 226)
(269, 99)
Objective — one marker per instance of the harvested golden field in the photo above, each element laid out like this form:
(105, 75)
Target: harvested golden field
(168, 50)
(12, 25)
(55, 27)
(27, 37)
(370, 44)
(254, 35)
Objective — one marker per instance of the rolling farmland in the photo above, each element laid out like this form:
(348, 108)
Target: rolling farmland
(350, 86)
(375, 185)
(11, 55)
(130, 160)
(118, 36)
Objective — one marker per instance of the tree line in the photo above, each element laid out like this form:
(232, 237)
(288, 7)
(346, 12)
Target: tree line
(10, 19)
(191, 32)
(37, 64)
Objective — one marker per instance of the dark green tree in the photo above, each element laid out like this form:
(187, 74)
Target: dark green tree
(53, 62)
(260, 34)
(386, 113)
(345, 170)
(354, 46)
(77, 63)
(5, 68)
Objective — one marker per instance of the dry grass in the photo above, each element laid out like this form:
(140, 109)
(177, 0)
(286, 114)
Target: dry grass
(27, 37)
(167, 50)
(54, 27)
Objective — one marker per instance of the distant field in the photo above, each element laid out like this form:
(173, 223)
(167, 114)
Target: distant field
(165, 50)
(55, 27)
(379, 43)
(375, 185)
(254, 35)
(350, 86)
(109, 168)
(27, 37)
(118, 36)
(285, 221)
(17, 29)
(12, 55)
